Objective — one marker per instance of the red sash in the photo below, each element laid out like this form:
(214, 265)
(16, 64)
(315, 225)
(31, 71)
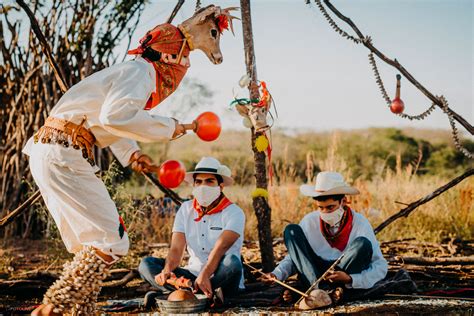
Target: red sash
(222, 204)
(341, 237)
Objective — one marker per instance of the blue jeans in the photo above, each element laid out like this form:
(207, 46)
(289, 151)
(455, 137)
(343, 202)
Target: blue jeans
(310, 266)
(227, 275)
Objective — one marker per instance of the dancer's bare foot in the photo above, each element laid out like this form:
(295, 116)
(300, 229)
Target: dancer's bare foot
(44, 310)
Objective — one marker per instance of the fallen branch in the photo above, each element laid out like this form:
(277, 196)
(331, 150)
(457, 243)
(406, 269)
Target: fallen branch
(127, 278)
(407, 210)
(468, 260)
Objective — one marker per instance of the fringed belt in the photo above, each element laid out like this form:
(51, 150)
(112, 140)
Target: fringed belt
(62, 132)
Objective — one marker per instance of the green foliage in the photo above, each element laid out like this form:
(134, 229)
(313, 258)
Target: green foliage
(366, 153)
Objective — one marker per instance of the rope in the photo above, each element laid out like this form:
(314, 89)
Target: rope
(455, 135)
(334, 25)
(383, 91)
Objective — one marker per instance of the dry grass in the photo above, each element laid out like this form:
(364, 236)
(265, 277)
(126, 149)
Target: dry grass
(449, 215)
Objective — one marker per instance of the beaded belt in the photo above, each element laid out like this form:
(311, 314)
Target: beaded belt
(62, 132)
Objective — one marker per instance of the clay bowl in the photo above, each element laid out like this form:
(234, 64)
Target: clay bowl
(181, 295)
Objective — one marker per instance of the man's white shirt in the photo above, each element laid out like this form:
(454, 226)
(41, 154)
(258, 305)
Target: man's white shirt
(201, 236)
(360, 228)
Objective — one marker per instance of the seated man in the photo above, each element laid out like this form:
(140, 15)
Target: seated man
(323, 235)
(212, 229)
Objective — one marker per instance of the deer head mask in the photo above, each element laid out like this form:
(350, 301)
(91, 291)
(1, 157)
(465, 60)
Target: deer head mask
(203, 30)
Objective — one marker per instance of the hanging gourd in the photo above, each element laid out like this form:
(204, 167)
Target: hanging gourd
(397, 106)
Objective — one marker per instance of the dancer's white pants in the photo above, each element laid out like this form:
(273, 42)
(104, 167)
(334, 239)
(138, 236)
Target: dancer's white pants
(77, 199)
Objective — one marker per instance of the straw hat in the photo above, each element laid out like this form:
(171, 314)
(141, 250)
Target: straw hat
(328, 183)
(210, 165)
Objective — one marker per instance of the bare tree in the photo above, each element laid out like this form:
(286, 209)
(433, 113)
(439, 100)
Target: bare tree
(82, 36)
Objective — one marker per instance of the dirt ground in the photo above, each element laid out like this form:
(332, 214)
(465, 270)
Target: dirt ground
(33, 262)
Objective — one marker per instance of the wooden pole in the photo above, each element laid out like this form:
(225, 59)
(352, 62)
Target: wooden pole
(260, 204)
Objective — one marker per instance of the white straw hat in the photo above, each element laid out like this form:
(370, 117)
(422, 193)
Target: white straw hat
(328, 183)
(211, 166)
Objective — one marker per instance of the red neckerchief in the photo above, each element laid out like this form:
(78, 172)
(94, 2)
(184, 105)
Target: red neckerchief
(168, 77)
(341, 237)
(222, 204)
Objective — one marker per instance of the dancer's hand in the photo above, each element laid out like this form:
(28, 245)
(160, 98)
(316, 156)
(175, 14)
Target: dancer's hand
(267, 278)
(179, 129)
(339, 276)
(142, 163)
(163, 276)
(203, 283)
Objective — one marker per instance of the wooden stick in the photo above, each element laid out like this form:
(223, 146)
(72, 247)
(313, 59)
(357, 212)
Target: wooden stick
(428, 297)
(173, 195)
(45, 46)
(407, 210)
(321, 278)
(175, 11)
(278, 281)
(11, 216)
(429, 261)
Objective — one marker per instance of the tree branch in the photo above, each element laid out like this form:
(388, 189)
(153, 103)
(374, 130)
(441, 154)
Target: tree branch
(394, 63)
(45, 47)
(412, 206)
(175, 11)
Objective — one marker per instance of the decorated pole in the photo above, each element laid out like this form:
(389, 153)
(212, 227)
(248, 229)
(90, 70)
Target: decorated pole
(260, 204)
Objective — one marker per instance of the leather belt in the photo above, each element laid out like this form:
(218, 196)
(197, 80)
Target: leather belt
(66, 133)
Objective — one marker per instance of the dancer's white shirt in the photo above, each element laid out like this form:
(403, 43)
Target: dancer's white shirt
(360, 228)
(113, 101)
(202, 236)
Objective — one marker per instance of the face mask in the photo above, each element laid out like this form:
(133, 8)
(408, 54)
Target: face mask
(334, 217)
(205, 194)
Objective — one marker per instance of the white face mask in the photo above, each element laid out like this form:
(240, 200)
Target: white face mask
(334, 217)
(205, 194)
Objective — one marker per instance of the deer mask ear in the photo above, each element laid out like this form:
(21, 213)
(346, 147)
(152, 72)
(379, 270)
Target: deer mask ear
(209, 11)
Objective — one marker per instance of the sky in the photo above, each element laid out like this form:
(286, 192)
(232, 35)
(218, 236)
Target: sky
(321, 81)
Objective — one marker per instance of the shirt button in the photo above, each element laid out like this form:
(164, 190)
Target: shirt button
(204, 221)
(202, 248)
(202, 235)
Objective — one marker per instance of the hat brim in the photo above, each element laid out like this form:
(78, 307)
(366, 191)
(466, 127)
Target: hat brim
(227, 181)
(308, 190)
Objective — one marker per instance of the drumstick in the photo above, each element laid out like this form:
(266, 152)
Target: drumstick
(278, 281)
(321, 278)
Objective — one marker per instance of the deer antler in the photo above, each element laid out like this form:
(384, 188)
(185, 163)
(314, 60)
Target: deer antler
(226, 12)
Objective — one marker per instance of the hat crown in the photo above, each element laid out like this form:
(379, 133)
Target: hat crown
(208, 163)
(328, 180)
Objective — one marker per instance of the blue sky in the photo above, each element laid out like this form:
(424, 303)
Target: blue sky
(320, 80)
